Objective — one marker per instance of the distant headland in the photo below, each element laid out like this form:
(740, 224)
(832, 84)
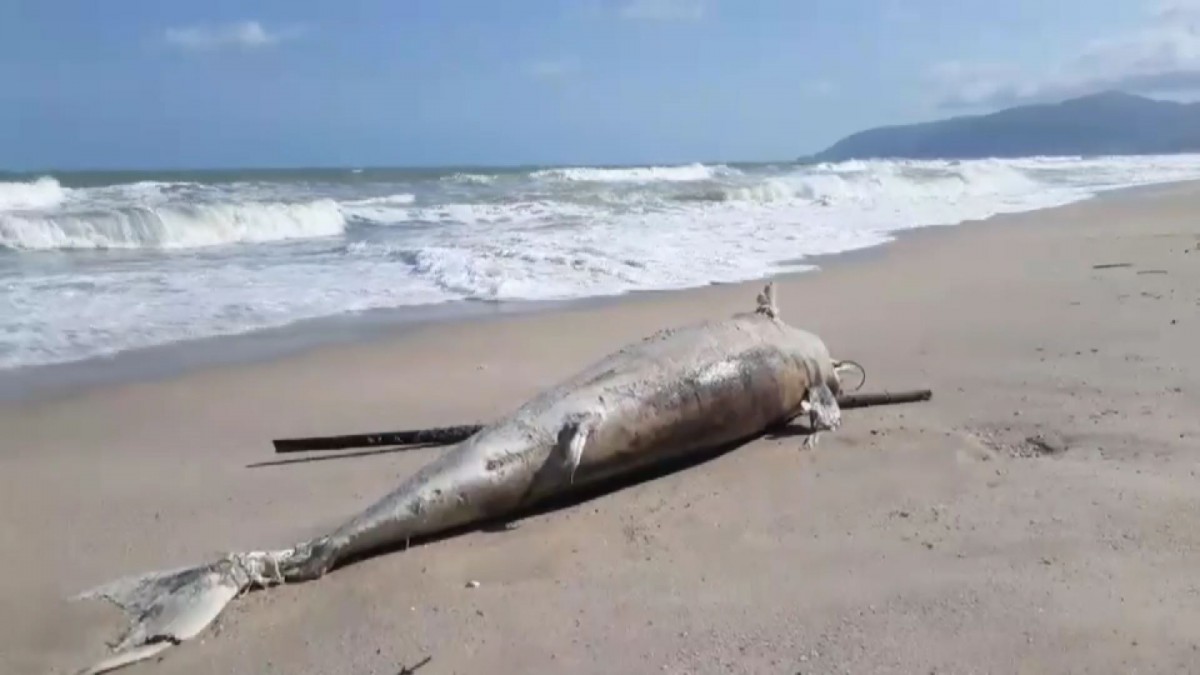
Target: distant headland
(1109, 123)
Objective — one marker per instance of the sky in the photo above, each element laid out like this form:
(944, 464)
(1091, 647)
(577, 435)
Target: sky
(281, 83)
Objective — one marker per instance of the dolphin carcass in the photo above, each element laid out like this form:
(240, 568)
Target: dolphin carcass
(678, 393)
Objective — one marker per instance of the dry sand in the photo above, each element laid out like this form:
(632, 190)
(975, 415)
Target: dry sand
(924, 538)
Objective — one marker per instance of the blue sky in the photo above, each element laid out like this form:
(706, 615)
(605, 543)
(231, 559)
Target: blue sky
(155, 83)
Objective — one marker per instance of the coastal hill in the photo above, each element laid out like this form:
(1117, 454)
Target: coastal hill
(1110, 123)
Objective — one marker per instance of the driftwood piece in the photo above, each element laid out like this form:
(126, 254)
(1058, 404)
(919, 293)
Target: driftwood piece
(848, 401)
(455, 434)
(1109, 266)
(432, 436)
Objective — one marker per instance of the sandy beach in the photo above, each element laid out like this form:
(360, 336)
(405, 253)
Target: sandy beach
(1040, 515)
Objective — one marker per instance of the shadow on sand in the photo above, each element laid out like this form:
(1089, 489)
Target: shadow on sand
(342, 455)
(583, 495)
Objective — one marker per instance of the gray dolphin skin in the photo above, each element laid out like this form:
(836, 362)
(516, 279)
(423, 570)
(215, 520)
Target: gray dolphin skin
(675, 394)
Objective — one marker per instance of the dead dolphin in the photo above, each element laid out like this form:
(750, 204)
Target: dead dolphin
(677, 393)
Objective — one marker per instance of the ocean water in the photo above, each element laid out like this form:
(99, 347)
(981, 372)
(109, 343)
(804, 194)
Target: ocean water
(93, 264)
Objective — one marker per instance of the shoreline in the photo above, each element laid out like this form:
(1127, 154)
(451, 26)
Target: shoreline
(38, 383)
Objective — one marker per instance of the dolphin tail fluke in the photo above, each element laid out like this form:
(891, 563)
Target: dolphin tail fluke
(168, 608)
(126, 658)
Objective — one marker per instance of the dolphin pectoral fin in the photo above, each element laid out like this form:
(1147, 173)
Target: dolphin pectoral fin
(575, 451)
(571, 441)
(168, 608)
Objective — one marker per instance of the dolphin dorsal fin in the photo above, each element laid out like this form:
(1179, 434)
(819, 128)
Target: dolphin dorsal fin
(766, 302)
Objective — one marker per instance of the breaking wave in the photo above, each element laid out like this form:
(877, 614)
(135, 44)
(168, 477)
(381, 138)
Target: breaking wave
(689, 172)
(866, 183)
(379, 209)
(42, 193)
(172, 226)
(470, 178)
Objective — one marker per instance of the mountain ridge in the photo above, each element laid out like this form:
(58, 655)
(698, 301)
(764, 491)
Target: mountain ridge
(1105, 123)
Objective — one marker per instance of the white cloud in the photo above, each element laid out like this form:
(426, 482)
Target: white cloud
(664, 10)
(1160, 57)
(1175, 10)
(243, 34)
(552, 69)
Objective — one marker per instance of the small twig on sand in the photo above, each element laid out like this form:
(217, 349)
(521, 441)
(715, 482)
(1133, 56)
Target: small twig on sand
(1108, 266)
(406, 670)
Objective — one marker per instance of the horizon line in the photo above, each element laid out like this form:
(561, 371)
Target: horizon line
(388, 167)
